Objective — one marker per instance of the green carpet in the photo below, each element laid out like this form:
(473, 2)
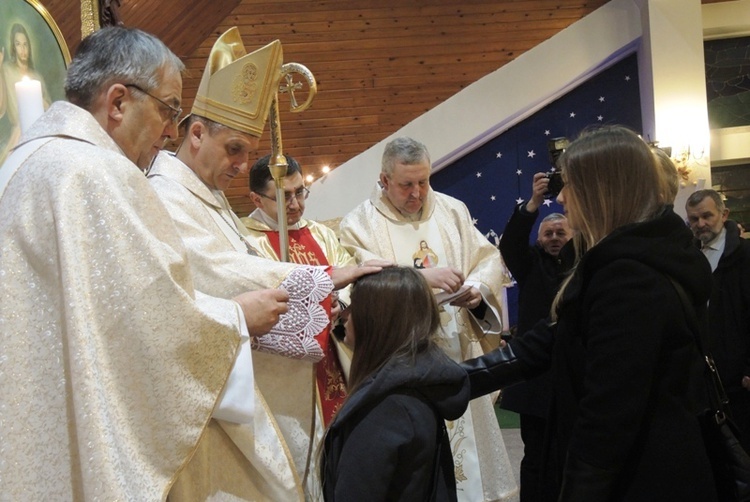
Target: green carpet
(507, 419)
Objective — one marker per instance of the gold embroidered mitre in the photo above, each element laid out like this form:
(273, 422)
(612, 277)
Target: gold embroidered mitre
(237, 88)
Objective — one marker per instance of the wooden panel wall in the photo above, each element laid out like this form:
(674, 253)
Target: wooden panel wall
(378, 63)
(381, 64)
(181, 24)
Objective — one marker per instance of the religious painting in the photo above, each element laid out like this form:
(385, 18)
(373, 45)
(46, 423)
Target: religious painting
(31, 45)
(425, 257)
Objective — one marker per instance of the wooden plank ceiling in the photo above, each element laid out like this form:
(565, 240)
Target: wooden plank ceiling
(378, 64)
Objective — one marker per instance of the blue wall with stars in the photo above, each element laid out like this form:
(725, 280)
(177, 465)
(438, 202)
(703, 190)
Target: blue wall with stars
(495, 177)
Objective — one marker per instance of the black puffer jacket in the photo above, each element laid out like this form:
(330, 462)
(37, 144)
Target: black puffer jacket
(383, 443)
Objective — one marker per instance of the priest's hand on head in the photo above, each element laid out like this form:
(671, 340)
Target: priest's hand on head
(343, 276)
(448, 279)
(262, 309)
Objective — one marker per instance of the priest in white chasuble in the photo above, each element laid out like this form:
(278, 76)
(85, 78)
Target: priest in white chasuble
(268, 460)
(113, 363)
(407, 222)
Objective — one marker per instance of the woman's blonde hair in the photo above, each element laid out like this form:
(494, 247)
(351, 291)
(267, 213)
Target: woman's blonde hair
(611, 180)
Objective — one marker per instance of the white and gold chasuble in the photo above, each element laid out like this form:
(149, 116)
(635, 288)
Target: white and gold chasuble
(112, 363)
(444, 236)
(267, 463)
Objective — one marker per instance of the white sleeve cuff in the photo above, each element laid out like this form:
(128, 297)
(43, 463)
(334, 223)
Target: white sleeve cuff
(492, 322)
(237, 401)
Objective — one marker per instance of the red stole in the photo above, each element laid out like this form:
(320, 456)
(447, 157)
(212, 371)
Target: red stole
(305, 250)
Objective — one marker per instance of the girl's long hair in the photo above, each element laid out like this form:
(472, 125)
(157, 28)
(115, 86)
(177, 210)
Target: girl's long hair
(393, 314)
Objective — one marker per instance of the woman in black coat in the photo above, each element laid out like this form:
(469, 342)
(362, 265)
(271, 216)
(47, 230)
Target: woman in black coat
(628, 374)
(388, 441)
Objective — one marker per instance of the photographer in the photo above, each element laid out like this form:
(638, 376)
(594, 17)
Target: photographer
(539, 270)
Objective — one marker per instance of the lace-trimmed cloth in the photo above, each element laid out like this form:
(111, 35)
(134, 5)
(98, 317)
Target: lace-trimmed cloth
(294, 335)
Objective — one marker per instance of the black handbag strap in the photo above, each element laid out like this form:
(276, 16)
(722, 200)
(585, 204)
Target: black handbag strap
(718, 396)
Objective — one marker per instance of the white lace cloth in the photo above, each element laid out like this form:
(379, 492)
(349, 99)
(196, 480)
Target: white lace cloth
(294, 335)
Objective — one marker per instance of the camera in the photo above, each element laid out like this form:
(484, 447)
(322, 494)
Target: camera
(555, 183)
(555, 147)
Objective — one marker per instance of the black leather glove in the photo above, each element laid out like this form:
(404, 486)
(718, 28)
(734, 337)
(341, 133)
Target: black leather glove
(492, 371)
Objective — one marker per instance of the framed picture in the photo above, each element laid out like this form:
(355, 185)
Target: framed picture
(32, 45)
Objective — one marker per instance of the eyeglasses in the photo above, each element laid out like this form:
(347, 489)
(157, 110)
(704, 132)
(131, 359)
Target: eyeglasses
(299, 194)
(176, 112)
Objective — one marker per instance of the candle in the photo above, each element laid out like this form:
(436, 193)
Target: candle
(30, 103)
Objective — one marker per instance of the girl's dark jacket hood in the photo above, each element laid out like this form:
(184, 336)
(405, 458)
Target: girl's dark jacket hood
(432, 375)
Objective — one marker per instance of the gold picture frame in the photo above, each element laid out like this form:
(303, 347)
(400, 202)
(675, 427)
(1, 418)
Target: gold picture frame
(31, 44)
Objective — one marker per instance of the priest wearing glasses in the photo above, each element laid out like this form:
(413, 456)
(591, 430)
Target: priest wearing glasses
(310, 243)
